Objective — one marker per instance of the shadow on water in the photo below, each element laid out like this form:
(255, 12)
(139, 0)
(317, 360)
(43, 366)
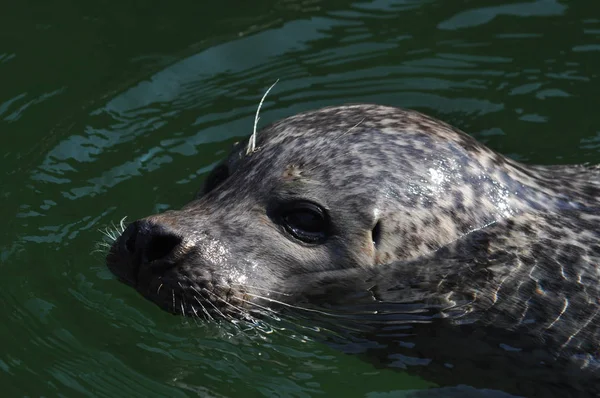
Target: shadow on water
(111, 109)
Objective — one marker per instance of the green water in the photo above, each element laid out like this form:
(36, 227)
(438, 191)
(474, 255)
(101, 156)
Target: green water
(114, 108)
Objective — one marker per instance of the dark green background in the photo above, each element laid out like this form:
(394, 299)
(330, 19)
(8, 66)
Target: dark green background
(114, 108)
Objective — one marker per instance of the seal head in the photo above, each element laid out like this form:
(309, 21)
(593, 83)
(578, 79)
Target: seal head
(344, 187)
(431, 237)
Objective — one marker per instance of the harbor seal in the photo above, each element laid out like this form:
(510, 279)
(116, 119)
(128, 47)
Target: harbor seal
(466, 265)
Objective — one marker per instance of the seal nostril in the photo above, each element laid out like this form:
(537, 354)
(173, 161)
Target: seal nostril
(160, 246)
(144, 247)
(147, 241)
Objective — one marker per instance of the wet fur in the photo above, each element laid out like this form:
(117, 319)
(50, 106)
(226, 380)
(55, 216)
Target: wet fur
(476, 243)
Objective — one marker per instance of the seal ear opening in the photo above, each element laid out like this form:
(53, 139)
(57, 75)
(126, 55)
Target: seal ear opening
(376, 234)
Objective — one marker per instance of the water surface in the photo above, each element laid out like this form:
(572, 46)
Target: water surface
(121, 108)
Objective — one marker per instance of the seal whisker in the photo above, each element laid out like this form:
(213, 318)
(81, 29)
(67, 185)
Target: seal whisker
(261, 288)
(100, 247)
(252, 142)
(173, 294)
(270, 313)
(213, 305)
(105, 245)
(247, 316)
(220, 299)
(204, 309)
(195, 317)
(108, 233)
(115, 228)
(270, 310)
(291, 305)
(122, 225)
(111, 233)
(239, 309)
(197, 299)
(182, 303)
(353, 127)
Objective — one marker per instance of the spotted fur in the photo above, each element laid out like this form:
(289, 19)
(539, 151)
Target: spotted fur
(480, 241)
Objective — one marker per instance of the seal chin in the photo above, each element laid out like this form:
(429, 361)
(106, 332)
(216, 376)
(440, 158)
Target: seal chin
(178, 294)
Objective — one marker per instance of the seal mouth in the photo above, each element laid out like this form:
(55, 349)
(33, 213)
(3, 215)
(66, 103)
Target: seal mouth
(176, 293)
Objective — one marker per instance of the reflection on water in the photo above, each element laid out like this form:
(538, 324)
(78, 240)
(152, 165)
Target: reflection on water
(107, 111)
(479, 16)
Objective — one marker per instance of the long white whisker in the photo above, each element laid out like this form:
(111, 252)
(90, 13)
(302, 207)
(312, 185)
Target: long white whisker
(245, 314)
(101, 247)
(108, 233)
(197, 300)
(113, 226)
(262, 307)
(195, 317)
(214, 306)
(238, 309)
(295, 307)
(261, 288)
(252, 142)
(122, 225)
(353, 127)
(182, 299)
(204, 309)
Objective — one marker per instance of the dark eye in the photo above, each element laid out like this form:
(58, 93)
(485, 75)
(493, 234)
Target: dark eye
(306, 221)
(217, 176)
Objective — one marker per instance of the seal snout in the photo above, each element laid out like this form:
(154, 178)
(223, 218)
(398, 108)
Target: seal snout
(149, 241)
(145, 246)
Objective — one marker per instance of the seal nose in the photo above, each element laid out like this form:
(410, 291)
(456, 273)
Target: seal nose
(148, 242)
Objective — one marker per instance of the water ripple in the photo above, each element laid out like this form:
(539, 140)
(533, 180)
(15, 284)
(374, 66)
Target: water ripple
(519, 76)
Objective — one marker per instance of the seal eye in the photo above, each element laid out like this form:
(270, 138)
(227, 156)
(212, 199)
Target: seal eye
(218, 175)
(306, 221)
